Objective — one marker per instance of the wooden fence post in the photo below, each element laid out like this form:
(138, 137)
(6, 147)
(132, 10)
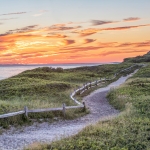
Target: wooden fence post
(26, 111)
(87, 86)
(83, 86)
(79, 90)
(64, 110)
(84, 106)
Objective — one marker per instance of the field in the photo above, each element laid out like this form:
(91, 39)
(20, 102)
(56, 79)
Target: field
(129, 131)
(48, 87)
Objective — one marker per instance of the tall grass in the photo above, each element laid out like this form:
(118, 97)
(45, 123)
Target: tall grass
(129, 131)
(48, 87)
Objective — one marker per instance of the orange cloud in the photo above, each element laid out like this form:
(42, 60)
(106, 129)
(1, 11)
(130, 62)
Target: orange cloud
(107, 44)
(126, 27)
(137, 44)
(67, 42)
(91, 31)
(123, 51)
(56, 36)
(87, 32)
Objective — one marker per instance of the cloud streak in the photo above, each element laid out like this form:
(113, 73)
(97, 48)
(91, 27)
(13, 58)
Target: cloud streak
(123, 51)
(90, 31)
(101, 22)
(8, 18)
(15, 13)
(131, 19)
(57, 36)
(66, 42)
(62, 27)
(85, 41)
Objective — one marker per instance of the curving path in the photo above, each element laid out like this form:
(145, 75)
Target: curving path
(17, 139)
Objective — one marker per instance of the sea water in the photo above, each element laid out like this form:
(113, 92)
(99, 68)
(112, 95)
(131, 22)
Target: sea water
(7, 71)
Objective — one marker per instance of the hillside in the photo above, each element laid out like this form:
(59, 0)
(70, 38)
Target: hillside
(139, 59)
(129, 131)
(49, 87)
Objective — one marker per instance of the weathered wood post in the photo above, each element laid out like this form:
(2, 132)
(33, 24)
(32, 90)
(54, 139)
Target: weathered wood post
(26, 111)
(96, 83)
(64, 110)
(84, 107)
(79, 90)
(87, 86)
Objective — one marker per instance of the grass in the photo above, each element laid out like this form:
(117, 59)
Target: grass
(48, 87)
(129, 131)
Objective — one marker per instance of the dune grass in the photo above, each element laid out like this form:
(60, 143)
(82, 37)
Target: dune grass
(129, 131)
(48, 88)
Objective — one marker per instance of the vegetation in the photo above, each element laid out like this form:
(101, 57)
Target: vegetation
(129, 131)
(139, 59)
(47, 88)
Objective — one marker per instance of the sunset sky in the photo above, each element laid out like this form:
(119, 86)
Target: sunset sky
(73, 31)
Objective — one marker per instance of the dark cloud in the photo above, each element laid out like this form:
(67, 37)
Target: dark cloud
(61, 27)
(132, 19)
(67, 42)
(6, 33)
(100, 22)
(27, 28)
(85, 41)
(21, 30)
(15, 13)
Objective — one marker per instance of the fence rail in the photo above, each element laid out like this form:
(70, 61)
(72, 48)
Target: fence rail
(64, 107)
(11, 114)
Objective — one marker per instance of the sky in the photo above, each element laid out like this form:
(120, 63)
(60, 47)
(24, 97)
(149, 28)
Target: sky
(73, 31)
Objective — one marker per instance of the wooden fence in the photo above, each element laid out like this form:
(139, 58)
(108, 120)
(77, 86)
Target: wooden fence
(85, 87)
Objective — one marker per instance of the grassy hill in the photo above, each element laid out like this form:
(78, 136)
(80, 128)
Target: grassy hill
(139, 59)
(48, 87)
(129, 131)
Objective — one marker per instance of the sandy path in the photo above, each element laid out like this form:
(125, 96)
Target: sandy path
(45, 132)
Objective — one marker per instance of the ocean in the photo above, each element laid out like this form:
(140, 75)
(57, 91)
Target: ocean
(7, 71)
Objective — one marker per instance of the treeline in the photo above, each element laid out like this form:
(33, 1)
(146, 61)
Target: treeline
(139, 59)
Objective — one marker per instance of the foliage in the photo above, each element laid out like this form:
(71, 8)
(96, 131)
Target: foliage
(48, 87)
(139, 59)
(129, 131)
